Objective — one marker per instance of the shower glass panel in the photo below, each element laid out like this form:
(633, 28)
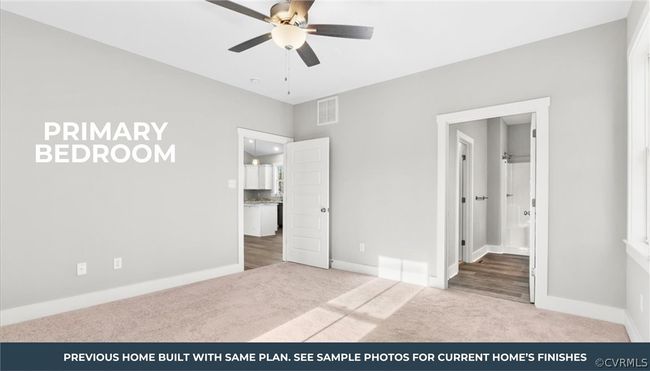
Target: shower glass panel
(517, 205)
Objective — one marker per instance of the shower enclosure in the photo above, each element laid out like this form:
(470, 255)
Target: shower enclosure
(516, 231)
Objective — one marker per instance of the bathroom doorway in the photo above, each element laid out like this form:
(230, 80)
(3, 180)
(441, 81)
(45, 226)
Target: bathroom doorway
(493, 206)
(509, 236)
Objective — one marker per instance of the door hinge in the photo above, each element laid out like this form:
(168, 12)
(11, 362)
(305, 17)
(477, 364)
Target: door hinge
(534, 133)
(464, 157)
(462, 242)
(534, 272)
(534, 202)
(462, 200)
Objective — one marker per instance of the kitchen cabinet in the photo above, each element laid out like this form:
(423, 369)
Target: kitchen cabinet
(258, 177)
(260, 219)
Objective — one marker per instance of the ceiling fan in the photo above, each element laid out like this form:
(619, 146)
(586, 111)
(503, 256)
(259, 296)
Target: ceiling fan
(290, 31)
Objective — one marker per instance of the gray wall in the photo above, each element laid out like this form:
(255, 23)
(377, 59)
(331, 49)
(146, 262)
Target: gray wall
(519, 142)
(54, 216)
(497, 144)
(634, 16)
(477, 130)
(385, 144)
(637, 280)
(163, 219)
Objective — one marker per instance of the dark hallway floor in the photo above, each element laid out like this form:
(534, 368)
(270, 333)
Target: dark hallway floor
(503, 276)
(261, 251)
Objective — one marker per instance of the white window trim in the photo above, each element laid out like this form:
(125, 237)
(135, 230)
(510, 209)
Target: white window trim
(638, 171)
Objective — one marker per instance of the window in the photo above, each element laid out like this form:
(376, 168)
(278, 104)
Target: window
(647, 148)
(278, 179)
(638, 231)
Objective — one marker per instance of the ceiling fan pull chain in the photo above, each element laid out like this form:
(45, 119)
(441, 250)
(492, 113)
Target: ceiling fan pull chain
(287, 76)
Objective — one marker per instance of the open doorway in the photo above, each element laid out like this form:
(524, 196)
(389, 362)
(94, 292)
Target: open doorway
(507, 254)
(261, 201)
(283, 200)
(491, 158)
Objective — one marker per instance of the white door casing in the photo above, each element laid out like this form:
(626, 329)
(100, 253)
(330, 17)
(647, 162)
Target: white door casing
(533, 209)
(306, 207)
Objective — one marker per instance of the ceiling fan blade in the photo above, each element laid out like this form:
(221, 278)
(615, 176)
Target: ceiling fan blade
(307, 55)
(240, 9)
(341, 30)
(300, 7)
(250, 43)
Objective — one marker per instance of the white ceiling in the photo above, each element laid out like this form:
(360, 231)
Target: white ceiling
(409, 36)
(262, 148)
(523, 118)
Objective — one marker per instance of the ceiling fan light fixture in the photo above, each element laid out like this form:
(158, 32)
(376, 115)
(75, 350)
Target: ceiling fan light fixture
(288, 36)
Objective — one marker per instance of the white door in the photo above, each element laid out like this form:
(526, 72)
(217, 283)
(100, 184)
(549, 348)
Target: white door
(531, 240)
(306, 202)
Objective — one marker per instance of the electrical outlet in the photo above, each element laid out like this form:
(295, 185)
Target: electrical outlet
(362, 247)
(81, 269)
(232, 183)
(117, 263)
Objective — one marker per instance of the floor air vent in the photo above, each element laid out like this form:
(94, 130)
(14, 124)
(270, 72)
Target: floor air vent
(327, 111)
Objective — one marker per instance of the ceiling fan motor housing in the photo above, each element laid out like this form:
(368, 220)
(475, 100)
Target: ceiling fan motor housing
(290, 27)
(280, 14)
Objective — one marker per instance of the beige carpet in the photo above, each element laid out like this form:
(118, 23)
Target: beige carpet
(291, 302)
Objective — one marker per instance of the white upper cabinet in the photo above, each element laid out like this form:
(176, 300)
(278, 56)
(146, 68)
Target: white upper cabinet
(266, 177)
(258, 177)
(251, 177)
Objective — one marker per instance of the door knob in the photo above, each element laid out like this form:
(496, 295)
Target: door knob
(323, 210)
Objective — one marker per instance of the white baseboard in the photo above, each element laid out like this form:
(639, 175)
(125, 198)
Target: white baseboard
(354, 267)
(437, 282)
(478, 254)
(498, 249)
(633, 331)
(418, 278)
(513, 250)
(452, 270)
(48, 308)
(581, 308)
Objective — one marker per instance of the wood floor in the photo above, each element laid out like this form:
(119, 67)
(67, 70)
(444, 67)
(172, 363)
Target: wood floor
(503, 276)
(261, 251)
